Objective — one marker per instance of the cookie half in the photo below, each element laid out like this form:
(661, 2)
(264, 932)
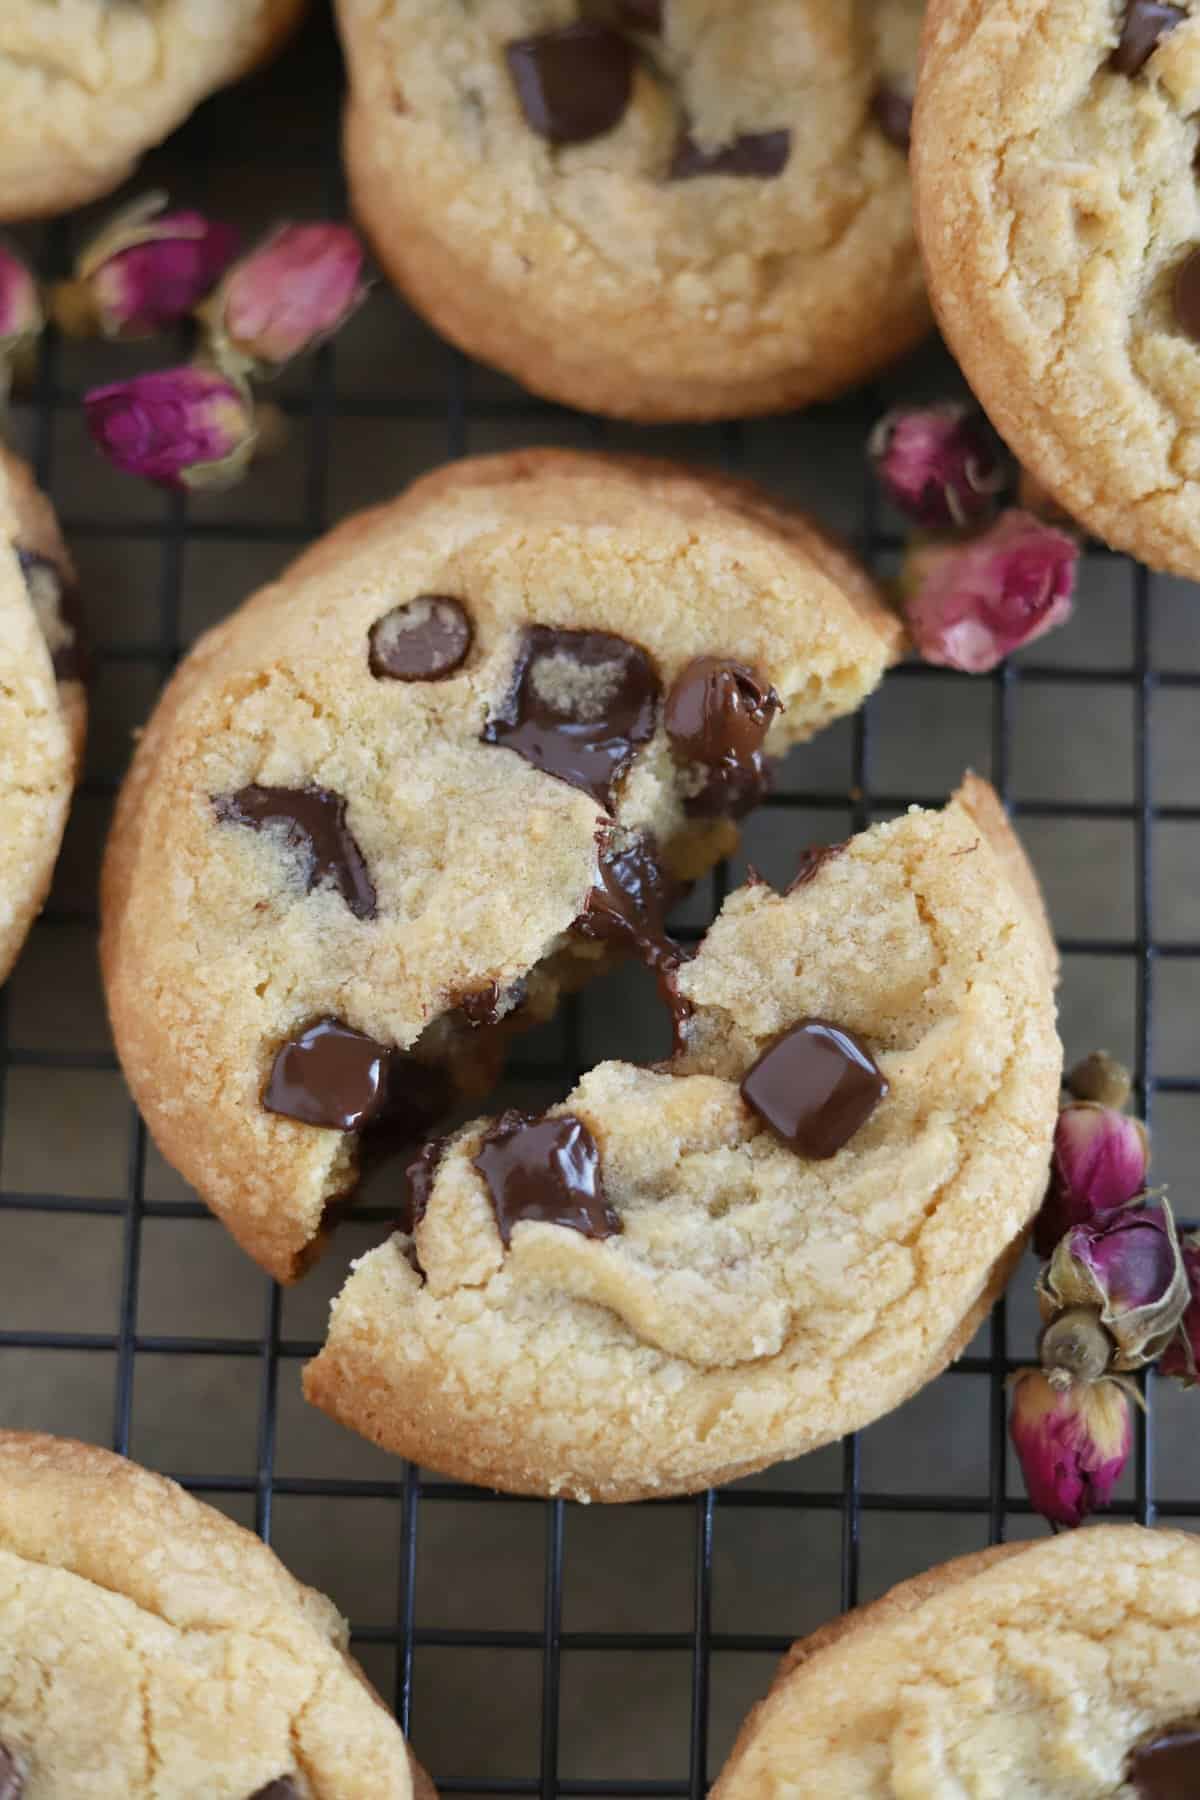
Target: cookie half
(1057, 1670)
(362, 830)
(86, 87)
(657, 209)
(806, 1213)
(1054, 162)
(43, 704)
(148, 1646)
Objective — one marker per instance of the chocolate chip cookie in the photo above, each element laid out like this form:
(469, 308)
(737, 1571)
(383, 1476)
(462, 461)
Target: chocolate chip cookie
(1054, 162)
(686, 1272)
(87, 86)
(43, 705)
(149, 1647)
(658, 209)
(1062, 1670)
(469, 747)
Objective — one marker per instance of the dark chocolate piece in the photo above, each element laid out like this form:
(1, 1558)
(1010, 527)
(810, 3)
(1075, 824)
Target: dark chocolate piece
(1168, 1767)
(761, 153)
(1187, 295)
(717, 715)
(12, 1783)
(574, 83)
(546, 1170)
(336, 1077)
(314, 821)
(815, 1085)
(811, 862)
(420, 1175)
(70, 659)
(283, 1789)
(892, 111)
(640, 15)
(628, 907)
(488, 1004)
(580, 704)
(1145, 24)
(426, 639)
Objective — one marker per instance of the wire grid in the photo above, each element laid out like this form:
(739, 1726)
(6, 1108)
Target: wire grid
(312, 73)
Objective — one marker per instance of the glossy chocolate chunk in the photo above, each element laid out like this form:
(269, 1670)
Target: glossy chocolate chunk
(580, 704)
(12, 1784)
(546, 1170)
(1145, 24)
(892, 111)
(628, 907)
(283, 1789)
(574, 83)
(420, 1175)
(811, 862)
(424, 640)
(761, 153)
(50, 590)
(815, 1085)
(330, 1075)
(1187, 295)
(1167, 1768)
(314, 825)
(488, 1004)
(717, 715)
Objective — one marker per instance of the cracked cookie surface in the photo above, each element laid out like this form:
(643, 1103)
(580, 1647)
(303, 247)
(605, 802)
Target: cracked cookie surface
(87, 86)
(42, 700)
(1054, 162)
(152, 1650)
(732, 234)
(750, 1302)
(1053, 1671)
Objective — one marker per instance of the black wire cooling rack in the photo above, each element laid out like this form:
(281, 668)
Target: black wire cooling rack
(283, 125)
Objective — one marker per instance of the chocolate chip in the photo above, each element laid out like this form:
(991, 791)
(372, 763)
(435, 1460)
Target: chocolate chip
(892, 111)
(574, 83)
(12, 1782)
(488, 1004)
(56, 603)
(424, 640)
(420, 1175)
(1187, 295)
(815, 1085)
(334, 1076)
(717, 715)
(546, 1170)
(760, 153)
(314, 822)
(580, 704)
(811, 862)
(1145, 24)
(283, 1789)
(629, 906)
(1167, 1768)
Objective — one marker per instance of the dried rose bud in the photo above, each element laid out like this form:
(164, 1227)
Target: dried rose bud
(146, 270)
(1181, 1358)
(1100, 1077)
(1130, 1269)
(20, 309)
(288, 296)
(1072, 1443)
(971, 604)
(938, 464)
(1101, 1159)
(189, 427)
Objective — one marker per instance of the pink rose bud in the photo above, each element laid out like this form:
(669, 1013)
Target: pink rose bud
(1101, 1159)
(20, 308)
(971, 604)
(1181, 1358)
(938, 464)
(1130, 1269)
(189, 427)
(146, 270)
(1072, 1443)
(289, 295)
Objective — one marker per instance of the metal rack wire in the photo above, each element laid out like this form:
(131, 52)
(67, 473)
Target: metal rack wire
(308, 76)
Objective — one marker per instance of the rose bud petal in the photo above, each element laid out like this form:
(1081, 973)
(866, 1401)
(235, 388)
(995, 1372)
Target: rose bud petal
(1181, 1357)
(1072, 1443)
(971, 604)
(289, 295)
(937, 464)
(1100, 1162)
(146, 269)
(1100, 1077)
(189, 427)
(20, 309)
(1130, 1268)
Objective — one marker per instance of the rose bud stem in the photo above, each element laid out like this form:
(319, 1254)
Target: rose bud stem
(1100, 1163)
(1100, 1078)
(286, 297)
(146, 270)
(184, 428)
(971, 603)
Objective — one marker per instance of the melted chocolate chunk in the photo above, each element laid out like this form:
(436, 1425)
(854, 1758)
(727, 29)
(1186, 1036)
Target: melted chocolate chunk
(892, 111)
(717, 715)
(629, 907)
(12, 1784)
(334, 1076)
(420, 1175)
(52, 594)
(811, 862)
(761, 153)
(1167, 1768)
(424, 640)
(815, 1085)
(574, 83)
(314, 821)
(283, 1789)
(1187, 295)
(546, 1170)
(1145, 24)
(580, 704)
(641, 15)
(489, 1004)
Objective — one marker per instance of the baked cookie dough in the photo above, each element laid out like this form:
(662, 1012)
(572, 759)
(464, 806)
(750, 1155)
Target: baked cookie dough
(686, 1272)
(1063, 1670)
(87, 86)
(658, 209)
(361, 830)
(151, 1648)
(1054, 162)
(43, 706)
